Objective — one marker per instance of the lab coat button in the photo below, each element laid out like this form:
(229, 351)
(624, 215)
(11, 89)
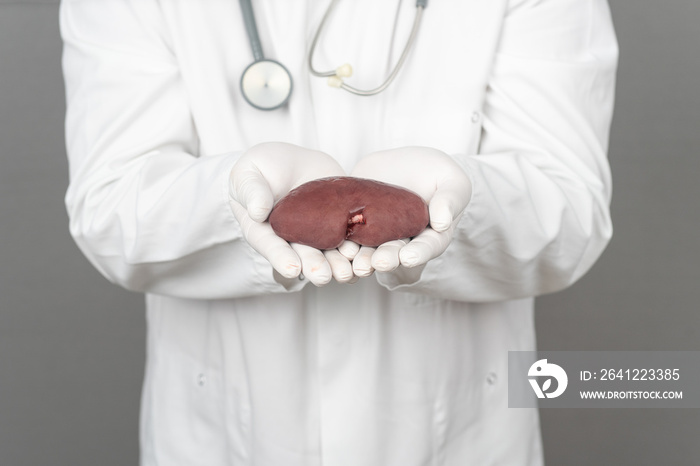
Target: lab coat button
(201, 380)
(476, 117)
(491, 378)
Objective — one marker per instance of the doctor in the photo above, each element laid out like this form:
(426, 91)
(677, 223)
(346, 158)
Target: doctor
(499, 117)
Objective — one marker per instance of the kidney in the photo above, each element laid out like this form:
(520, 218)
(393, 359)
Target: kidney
(325, 212)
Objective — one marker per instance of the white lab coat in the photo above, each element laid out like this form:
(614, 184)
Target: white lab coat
(403, 368)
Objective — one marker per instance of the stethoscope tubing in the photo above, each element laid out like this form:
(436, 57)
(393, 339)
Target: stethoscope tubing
(420, 7)
(251, 29)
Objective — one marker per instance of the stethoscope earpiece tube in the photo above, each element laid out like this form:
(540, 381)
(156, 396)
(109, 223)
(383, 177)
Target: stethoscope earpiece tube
(335, 78)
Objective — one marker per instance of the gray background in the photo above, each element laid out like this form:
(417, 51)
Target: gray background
(72, 345)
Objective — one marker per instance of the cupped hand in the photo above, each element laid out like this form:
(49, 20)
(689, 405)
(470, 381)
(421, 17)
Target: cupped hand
(264, 174)
(439, 180)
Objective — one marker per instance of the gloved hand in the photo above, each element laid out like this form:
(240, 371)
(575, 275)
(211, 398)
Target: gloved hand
(264, 174)
(439, 180)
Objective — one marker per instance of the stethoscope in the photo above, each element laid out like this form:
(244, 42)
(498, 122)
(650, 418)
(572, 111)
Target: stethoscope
(266, 84)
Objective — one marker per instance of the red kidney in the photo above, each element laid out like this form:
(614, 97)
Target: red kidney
(325, 212)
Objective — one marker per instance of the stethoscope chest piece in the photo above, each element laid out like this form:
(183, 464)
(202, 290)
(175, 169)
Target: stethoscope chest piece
(266, 84)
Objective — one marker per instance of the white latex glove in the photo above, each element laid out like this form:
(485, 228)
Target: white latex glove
(439, 180)
(264, 174)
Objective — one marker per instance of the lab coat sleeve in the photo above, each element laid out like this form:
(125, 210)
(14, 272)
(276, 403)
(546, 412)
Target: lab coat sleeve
(539, 214)
(147, 213)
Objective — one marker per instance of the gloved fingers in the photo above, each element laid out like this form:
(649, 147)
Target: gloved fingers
(424, 247)
(341, 267)
(314, 265)
(248, 187)
(386, 257)
(349, 249)
(273, 248)
(286, 166)
(362, 262)
(447, 203)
